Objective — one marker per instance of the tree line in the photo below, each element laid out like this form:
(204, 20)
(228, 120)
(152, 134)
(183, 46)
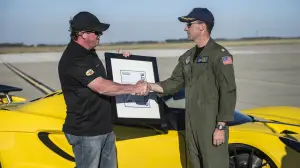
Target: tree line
(180, 40)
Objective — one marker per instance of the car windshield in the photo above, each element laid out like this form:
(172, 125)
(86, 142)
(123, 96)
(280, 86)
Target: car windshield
(174, 104)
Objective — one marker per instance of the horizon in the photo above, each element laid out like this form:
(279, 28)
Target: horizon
(163, 41)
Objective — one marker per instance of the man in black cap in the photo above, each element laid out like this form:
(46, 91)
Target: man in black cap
(88, 123)
(207, 73)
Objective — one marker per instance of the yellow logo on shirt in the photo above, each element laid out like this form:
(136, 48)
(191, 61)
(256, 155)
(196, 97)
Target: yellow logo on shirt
(89, 72)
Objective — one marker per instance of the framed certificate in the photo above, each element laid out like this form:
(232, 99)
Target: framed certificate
(129, 108)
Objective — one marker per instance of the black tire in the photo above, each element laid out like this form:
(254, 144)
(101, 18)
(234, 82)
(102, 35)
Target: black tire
(244, 156)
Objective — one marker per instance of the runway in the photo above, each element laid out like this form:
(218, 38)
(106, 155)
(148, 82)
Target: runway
(265, 75)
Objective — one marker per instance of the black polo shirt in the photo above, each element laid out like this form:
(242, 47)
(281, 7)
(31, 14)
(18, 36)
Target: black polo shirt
(88, 112)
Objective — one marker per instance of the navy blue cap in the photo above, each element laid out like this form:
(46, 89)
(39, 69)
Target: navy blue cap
(84, 21)
(202, 14)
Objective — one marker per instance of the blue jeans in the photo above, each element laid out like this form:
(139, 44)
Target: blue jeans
(94, 151)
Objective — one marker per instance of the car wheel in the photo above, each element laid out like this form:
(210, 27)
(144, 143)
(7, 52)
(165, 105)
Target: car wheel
(244, 156)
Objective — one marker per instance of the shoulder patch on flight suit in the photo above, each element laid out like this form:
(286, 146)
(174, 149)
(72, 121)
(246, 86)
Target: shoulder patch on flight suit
(202, 59)
(89, 72)
(227, 60)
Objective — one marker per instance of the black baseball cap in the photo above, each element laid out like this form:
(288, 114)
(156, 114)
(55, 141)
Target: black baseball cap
(86, 21)
(202, 14)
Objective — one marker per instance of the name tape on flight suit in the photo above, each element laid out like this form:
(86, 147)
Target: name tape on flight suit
(203, 59)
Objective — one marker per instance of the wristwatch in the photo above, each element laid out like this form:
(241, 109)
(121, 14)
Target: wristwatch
(221, 127)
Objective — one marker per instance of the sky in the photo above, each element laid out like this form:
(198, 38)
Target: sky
(41, 21)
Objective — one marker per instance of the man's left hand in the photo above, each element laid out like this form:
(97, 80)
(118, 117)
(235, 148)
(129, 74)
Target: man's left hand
(218, 137)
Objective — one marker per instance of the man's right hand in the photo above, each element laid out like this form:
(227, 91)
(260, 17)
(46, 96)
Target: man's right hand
(142, 88)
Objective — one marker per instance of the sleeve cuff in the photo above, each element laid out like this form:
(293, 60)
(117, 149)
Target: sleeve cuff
(164, 87)
(226, 118)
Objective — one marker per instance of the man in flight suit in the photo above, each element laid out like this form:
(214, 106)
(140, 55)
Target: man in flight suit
(206, 72)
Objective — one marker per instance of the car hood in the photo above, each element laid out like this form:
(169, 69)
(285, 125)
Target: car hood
(281, 121)
(282, 114)
(272, 128)
(52, 105)
(16, 121)
(283, 129)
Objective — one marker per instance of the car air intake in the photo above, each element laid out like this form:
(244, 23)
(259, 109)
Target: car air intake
(288, 132)
(294, 144)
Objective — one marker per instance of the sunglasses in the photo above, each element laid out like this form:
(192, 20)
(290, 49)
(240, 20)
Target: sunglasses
(95, 32)
(189, 24)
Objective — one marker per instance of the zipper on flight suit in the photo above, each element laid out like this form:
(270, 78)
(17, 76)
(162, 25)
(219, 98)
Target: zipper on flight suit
(192, 63)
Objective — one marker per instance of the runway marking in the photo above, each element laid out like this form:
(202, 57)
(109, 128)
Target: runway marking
(266, 81)
(38, 85)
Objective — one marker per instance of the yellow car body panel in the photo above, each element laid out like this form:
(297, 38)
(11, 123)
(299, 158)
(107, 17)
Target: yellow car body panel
(25, 150)
(31, 137)
(16, 99)
(280, 154)
(52, 106)
(286, 114)
(164, 151)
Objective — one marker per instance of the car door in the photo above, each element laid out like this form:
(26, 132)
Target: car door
(147, 147)
(137, 146)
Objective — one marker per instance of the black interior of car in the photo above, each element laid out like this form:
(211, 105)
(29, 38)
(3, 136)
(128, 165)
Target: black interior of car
(175, 118)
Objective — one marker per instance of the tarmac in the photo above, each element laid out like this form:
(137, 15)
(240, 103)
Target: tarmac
(266, 75)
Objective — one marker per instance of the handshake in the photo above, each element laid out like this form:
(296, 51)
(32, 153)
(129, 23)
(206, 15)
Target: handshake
(142, 88)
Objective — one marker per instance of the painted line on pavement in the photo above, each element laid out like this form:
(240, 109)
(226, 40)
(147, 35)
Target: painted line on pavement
(37, 84)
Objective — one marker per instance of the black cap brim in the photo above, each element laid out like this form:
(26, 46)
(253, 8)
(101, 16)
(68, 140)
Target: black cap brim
(101, 27)
(186, 19)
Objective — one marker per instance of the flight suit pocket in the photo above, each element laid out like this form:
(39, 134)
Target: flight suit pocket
(199, 69)
(209, 109)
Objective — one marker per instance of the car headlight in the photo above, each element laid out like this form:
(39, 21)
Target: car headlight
(294, 144)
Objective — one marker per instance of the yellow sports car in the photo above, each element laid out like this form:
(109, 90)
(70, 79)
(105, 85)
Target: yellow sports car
(31, 137)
